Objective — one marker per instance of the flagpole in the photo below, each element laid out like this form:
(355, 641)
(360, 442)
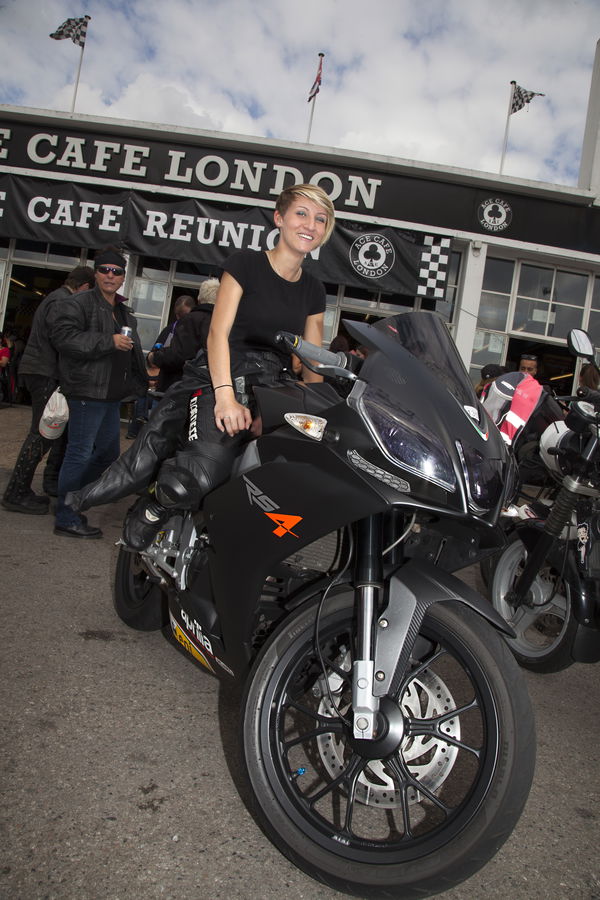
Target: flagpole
(513, 85)
(312, 106)
(77, 79)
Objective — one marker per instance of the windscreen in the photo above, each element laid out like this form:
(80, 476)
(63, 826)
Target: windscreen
(426, 336)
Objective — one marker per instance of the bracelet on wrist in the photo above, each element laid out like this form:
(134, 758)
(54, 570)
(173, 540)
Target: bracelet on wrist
(216, 388)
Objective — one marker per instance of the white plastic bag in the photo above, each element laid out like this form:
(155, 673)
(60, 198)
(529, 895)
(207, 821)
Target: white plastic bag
(55, 416)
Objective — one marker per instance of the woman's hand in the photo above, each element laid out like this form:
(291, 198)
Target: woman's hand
(230, 416)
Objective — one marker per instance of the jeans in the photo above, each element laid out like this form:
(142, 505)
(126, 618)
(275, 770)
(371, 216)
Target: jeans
(94, 443)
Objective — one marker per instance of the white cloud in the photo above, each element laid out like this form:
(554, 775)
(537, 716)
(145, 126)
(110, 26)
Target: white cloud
(427, 81)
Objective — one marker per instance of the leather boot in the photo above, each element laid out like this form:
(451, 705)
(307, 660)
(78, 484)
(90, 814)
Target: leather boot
(143, 523)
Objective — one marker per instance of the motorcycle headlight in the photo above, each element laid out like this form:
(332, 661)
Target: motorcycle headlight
(408, 447)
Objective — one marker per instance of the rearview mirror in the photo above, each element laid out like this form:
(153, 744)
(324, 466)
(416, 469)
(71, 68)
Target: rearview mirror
(580, 343)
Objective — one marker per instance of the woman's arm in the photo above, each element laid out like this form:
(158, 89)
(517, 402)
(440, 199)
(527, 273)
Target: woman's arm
(230, 416)
(313, 333)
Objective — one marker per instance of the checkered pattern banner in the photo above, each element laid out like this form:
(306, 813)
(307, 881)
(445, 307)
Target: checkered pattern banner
(76, 29)
(433, 267)
(521, 97)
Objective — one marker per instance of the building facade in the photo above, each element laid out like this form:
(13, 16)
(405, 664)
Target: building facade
(510, 265)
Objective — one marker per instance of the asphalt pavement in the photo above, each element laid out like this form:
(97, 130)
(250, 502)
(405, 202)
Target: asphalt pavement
(115, 780)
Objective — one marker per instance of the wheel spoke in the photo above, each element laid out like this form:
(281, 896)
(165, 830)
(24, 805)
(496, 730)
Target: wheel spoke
(414, 673)
(333, 728)
(326, 723)
(432, 727)
(408, 781)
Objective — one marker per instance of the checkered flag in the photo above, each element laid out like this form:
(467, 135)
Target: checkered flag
(521, 97)
(75, 29)
(433, 268)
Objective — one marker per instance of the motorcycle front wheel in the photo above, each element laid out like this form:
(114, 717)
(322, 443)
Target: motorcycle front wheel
(139, 600)
(545, 626)
(419, 809)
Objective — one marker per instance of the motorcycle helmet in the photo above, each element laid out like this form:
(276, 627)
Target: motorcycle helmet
(556, 437)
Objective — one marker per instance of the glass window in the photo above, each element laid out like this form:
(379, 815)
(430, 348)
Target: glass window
(356, 296)
(493, 311)
(487, 348)
(454, 267)
(570, 287)
(30, 250)
(187, 271)
(531, 316)
(61, 253)
(4, 244)
(148, 330)
(152, 267)
(148, 297)
(562, 319)
(391, 302)
(498, 275)
(535, 282)
(594, 327)
(596, 294)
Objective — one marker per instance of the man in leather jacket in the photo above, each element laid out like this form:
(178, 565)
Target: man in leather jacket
(39, 370)
(99, 367)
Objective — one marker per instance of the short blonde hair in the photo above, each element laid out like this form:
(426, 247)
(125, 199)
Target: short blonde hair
(310, 192)
(208, 290)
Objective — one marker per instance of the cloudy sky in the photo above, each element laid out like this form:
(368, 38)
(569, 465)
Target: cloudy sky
(427, 80)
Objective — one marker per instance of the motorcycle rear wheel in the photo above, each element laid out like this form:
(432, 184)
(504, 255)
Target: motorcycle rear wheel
(423, 815)
(545, 628)
(139, 600)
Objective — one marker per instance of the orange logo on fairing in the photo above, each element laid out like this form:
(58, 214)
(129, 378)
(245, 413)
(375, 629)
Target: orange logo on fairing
(284, 523)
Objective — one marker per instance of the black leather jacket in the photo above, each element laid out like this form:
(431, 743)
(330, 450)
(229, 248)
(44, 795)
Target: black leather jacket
(40, 357)
(81, 329)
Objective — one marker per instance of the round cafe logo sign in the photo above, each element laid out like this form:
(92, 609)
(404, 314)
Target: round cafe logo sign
(372, 255)
(494, 215)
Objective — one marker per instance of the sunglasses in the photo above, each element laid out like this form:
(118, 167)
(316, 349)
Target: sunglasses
(106, 270)
(530, 357)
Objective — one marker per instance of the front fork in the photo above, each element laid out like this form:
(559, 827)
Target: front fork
(559, 517)
(368, 577)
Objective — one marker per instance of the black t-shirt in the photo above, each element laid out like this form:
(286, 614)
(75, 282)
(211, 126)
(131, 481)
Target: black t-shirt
(119, 385)
(269, 303)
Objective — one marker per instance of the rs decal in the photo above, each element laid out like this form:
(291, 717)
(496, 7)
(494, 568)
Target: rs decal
(258, 498)
(284, 523)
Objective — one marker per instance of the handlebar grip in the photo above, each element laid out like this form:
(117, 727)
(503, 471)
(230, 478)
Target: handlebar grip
(590, 395)
(304, 350)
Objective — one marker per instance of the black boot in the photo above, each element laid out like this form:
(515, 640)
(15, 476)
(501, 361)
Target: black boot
(28, 503)
(18, 496)
(143, 523)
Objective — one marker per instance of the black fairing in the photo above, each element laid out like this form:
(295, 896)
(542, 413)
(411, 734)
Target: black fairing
(419, 392)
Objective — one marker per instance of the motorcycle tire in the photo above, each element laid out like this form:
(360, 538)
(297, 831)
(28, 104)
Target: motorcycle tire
(409, 815)
(139, 600)
(546, 627)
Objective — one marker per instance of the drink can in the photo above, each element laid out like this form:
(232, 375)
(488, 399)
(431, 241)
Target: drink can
(127, 331)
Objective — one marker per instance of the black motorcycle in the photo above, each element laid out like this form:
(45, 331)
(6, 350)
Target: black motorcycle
(546, 583)
(387, 735)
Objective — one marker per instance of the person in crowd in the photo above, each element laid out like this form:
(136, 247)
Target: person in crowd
(190, 335)
(528, 364)
(99, 367)
(589, 376)
(489, 373)
(340, 344)
(260, 294)
(5, 355)
(39, 371)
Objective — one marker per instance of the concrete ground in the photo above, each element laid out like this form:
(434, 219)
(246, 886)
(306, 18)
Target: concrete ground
(115, 784)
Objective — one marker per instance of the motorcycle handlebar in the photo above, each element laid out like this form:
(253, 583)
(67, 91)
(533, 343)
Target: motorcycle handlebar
(308, 352)
(589, 395)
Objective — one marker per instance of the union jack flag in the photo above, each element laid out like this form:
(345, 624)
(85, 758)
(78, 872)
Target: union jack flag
(317, 82)
(75, 29)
